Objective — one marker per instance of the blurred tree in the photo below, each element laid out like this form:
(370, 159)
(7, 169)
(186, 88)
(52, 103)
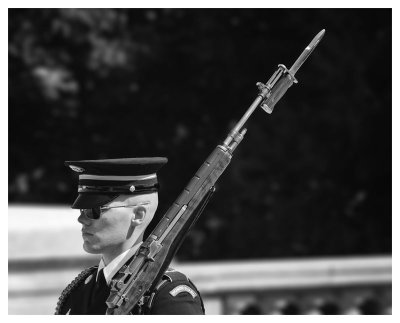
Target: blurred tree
(314, 178)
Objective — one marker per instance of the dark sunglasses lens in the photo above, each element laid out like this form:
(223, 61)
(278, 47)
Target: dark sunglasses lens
(96, 213)
(93, 213)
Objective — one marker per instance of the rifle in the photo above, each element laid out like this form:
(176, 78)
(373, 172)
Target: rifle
(156, 252)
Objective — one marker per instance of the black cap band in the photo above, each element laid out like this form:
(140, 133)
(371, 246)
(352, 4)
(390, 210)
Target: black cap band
(127, 189)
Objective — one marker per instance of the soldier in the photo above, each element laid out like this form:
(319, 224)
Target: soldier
(117, 201)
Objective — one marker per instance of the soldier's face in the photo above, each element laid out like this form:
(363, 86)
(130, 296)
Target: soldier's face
(112, 232)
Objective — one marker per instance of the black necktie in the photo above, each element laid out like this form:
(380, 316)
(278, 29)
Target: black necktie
(101, 282)
(100, 294)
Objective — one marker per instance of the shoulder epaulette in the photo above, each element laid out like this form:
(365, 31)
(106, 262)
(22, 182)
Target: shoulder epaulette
(174, 275)
(68, 290)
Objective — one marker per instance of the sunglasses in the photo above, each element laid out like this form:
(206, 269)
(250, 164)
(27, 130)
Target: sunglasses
(95, 212)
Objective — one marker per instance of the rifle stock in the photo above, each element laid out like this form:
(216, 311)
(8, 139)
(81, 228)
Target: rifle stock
(157, 251)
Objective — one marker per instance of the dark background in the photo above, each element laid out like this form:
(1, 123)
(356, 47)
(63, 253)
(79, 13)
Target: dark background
(312, 179)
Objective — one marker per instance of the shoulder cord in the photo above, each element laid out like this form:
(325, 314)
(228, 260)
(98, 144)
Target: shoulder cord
(68, 290)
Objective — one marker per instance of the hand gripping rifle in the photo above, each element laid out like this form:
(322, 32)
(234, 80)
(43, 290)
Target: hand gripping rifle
(148, 265)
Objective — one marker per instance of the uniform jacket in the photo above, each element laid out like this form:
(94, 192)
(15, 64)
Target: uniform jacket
(174, 294)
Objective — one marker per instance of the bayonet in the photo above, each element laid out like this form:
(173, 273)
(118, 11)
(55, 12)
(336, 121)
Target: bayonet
(271, 92)
(306, 52)
(155, 254)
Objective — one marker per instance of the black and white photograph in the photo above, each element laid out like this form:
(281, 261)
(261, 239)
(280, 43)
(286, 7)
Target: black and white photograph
(200, 161)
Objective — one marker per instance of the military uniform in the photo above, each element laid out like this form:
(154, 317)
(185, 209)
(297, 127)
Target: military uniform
(100, 182)
(175, 294)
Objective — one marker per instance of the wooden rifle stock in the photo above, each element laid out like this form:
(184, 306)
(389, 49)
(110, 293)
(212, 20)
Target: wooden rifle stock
(155, 254)
(157, 251)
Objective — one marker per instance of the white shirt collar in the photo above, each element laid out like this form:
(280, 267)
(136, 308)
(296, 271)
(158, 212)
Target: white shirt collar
(112, 268)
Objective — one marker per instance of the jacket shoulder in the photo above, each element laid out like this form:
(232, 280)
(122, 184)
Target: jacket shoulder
(173, 275)
(175, 294)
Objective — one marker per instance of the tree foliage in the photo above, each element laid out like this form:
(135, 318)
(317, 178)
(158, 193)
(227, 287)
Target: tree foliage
(314, 178)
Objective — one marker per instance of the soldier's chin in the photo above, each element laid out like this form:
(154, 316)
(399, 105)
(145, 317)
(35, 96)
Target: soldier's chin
(89, 248)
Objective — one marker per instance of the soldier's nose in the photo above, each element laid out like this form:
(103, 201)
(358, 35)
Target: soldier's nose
(83, 219)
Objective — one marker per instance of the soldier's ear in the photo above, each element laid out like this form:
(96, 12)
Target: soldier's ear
(139, 213)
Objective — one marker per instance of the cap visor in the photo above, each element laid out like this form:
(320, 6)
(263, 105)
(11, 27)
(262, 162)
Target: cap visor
(88, 201)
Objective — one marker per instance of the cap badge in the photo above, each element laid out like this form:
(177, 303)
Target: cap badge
(77, 169)
(132, 188)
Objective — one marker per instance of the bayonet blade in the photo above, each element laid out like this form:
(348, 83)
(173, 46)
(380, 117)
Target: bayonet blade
(306, 52)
